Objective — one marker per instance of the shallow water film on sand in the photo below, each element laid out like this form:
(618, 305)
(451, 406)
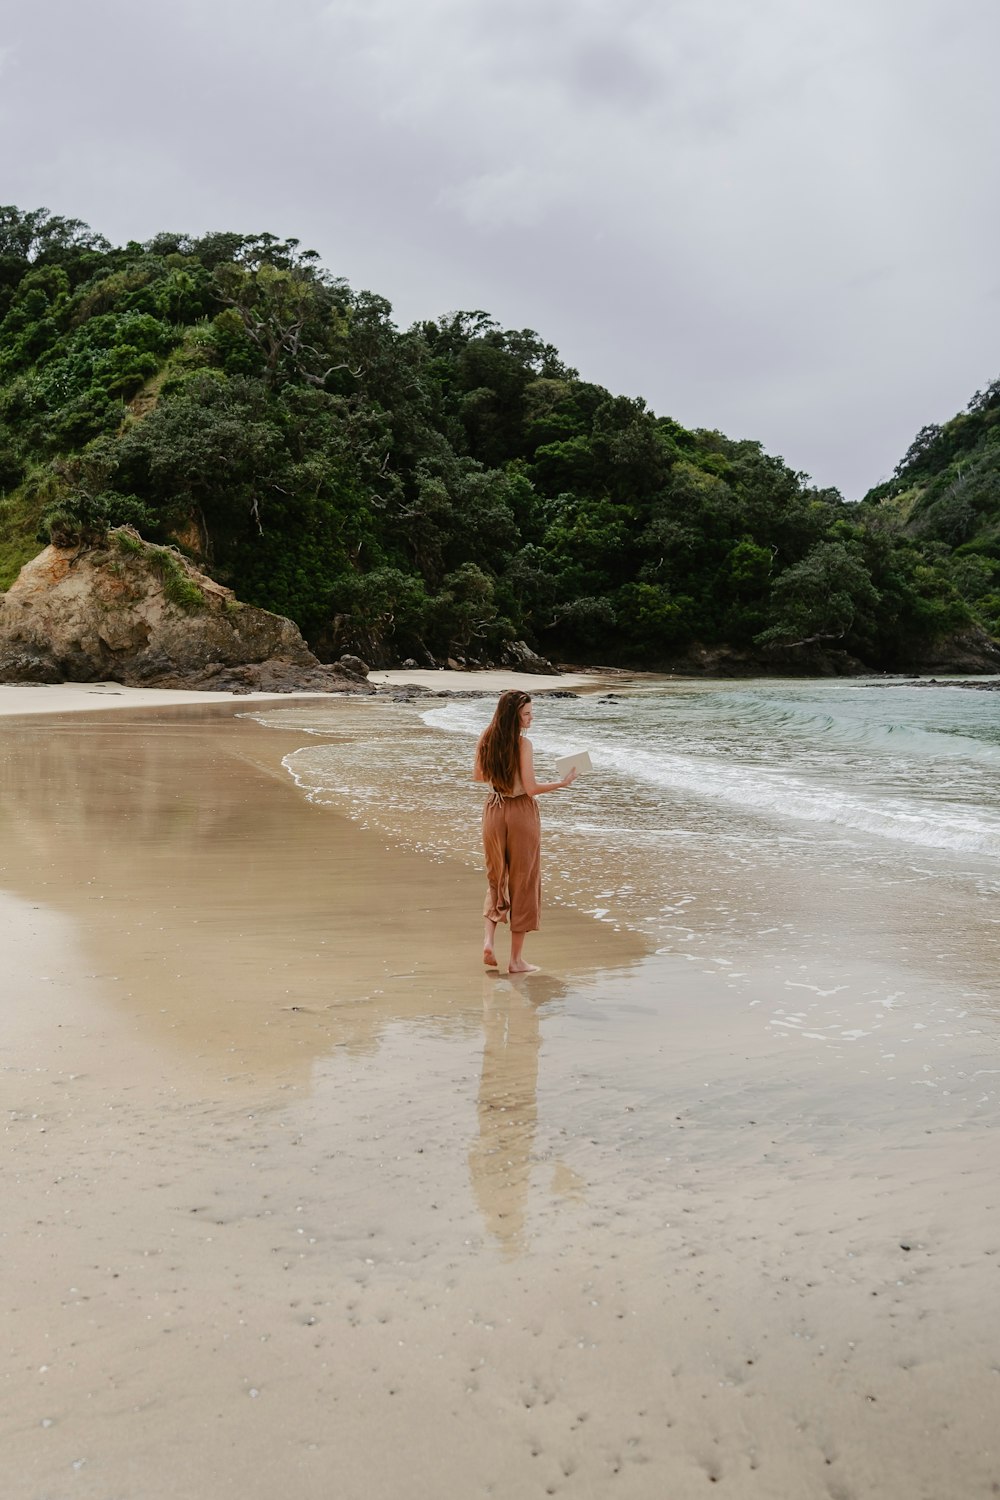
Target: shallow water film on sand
(303, 1201)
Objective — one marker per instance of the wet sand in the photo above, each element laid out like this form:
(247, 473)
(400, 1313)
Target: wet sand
(299, 1200)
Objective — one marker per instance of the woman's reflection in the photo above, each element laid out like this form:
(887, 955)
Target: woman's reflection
(500, 1160)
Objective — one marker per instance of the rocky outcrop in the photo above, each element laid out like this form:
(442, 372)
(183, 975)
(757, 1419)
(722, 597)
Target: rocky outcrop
(970, 650)
(519, 657)
(978, 686)
(353, 666)
(131, 612)
(771, 661)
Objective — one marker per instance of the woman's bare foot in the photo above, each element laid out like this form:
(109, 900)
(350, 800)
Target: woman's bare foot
(517, 964)
(489, 937)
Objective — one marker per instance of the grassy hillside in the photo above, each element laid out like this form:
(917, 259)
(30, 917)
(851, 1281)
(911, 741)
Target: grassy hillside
(426, 492)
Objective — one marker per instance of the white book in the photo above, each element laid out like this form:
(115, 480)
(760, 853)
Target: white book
(581, 760)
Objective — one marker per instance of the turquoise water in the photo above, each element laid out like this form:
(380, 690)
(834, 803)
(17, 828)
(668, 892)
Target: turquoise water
(789, 825)
(917, 766)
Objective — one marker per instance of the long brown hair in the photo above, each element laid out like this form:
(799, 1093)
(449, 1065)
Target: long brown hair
(500, 745)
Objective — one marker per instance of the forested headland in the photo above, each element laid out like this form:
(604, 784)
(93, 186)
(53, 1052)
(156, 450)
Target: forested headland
(444, 490)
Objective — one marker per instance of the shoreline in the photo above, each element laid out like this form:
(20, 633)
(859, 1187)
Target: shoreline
(18, 699)
(287, 1157)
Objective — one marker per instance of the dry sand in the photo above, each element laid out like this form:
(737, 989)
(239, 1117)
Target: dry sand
(70, 697)
(299, 1201)
(495, 681)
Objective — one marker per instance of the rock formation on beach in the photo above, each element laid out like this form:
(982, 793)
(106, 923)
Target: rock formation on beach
(970, 650)
(139, 614)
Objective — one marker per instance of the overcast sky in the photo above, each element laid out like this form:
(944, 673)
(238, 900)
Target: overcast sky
(774, 217)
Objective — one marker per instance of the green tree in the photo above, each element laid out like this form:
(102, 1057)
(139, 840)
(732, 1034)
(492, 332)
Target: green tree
(821, 598)
(463, 614)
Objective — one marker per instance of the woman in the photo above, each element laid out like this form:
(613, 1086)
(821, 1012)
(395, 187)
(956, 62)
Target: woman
(511, 828)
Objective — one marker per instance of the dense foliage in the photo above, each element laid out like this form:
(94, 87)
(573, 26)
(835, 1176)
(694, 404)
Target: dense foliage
(945, 493)
(429, 492)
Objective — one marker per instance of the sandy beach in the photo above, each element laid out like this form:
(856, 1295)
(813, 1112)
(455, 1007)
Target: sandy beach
(299, 1200)
(73, 697)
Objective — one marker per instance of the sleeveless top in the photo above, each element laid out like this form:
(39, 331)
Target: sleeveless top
(517, 790)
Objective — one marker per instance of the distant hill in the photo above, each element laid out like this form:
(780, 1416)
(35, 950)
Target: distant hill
(444, 490)
(945, 493)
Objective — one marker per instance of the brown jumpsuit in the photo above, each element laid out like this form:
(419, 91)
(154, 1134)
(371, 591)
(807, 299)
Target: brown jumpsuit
(512, 839)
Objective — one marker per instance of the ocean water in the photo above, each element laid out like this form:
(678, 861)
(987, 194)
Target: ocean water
(751, 827)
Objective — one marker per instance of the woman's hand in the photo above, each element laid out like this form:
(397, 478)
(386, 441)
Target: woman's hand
(570, 776)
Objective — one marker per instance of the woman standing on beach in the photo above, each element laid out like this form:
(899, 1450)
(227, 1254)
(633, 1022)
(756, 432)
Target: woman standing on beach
(511, 827)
